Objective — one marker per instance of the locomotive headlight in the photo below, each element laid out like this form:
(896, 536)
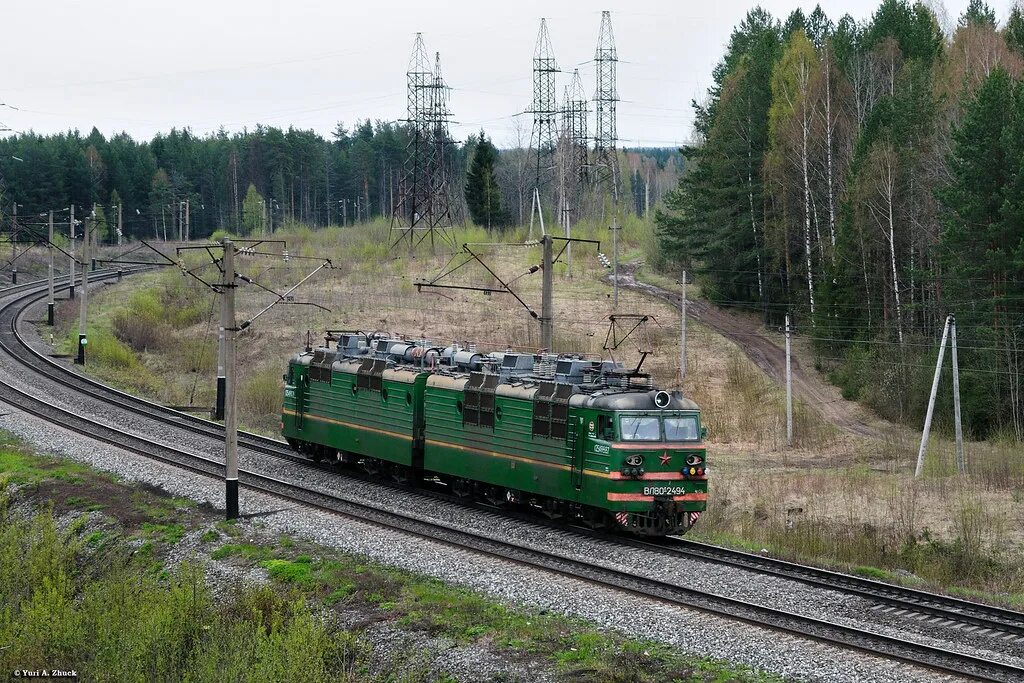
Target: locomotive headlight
(694, 460)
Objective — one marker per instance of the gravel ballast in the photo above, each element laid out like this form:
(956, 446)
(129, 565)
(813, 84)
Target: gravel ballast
(690, 631)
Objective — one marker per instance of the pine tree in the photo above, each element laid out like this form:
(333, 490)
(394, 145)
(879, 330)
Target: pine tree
(483, 197)
(252, 211)
(1014, 31)
(978, 13)
(716, 215)
(977, 253)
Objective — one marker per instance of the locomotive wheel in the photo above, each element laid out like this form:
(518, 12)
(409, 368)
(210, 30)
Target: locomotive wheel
(593, 519)
(400, 474)
(496, 496)
(462, 488)
(372, 466)
(552, 509)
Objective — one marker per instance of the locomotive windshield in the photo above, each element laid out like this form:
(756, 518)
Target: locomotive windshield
(640, 428)
(681, 429)
(649, 428)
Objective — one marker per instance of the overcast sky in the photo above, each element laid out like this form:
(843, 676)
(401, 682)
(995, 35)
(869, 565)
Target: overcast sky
(145, 67)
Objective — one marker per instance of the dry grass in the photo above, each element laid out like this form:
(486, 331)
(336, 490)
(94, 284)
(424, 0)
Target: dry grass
(831, 498)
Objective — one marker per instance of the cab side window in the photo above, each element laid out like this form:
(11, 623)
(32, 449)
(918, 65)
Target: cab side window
(605, 428)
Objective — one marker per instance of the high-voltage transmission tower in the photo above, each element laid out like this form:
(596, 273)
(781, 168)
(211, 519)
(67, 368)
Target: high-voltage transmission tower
(605, 164)
(574, 129)
(572, 157)
(424, 206)
(544, 138)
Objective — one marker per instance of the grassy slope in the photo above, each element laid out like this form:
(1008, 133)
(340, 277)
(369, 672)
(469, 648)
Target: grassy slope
(833, 499)
(68, 591)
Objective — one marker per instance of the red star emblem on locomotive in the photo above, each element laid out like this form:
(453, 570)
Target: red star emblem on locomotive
(665, 457)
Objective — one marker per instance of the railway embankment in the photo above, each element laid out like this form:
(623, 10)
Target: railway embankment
(84, 548)
(842, 498)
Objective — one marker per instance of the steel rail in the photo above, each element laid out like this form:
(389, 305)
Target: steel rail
(876, 644)
(974, 614)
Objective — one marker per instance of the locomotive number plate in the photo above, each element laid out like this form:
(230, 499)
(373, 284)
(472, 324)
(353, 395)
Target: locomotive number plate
(664, 490)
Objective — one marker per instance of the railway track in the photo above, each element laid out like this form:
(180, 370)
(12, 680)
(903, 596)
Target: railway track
(979, 619)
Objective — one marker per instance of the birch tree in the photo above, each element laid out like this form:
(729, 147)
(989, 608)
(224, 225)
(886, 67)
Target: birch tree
(790, 120)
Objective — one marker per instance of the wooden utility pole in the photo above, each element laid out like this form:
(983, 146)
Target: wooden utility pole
(84, 299)
(49, 288)
(71, 254)
(931, 400)
(789, 385)
(546, 302)
(229, 330)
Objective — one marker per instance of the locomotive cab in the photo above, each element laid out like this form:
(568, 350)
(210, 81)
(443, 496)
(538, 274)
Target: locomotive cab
(655, 459)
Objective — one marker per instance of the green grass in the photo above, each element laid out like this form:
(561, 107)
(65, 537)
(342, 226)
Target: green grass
(168, 533)
(288, 571)
(20, 467)
(247, 551)
(136, 619)
(117, 622)
(572, 647)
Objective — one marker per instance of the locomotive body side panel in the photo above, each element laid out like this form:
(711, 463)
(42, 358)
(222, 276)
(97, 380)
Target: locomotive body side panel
(505, 455)
(353, 419)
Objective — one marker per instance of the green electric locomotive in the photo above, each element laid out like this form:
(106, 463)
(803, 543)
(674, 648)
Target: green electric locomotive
(578, 439)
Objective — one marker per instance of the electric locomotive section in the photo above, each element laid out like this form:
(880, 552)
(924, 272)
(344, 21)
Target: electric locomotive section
(577, 439)
(945, 659)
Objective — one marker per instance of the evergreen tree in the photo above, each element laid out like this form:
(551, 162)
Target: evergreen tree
(1014, 31)
(483, 196)
(716, 215)
(252, 212)
(978, 13)
(977, 247)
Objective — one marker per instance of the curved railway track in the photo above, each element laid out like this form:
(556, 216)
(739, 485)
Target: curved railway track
(971, 617)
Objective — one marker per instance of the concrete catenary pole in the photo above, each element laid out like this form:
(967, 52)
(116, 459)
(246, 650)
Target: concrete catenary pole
(120, 234)
(961, 461)
(218, 408)
(682, 333)
(789, 384)
(71, 253)
(49, 284)
(615, 261)
(546, 303)
(227, 324)
(931, 400)
(14, 246)
(83, 309)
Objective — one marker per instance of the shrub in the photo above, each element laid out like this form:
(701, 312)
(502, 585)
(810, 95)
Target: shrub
(261, 393)
(141, 324)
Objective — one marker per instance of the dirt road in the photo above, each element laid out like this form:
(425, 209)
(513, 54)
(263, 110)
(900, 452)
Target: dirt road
(750, 337)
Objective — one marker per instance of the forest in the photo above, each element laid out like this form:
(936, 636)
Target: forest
(256, 179)
(867, 178)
